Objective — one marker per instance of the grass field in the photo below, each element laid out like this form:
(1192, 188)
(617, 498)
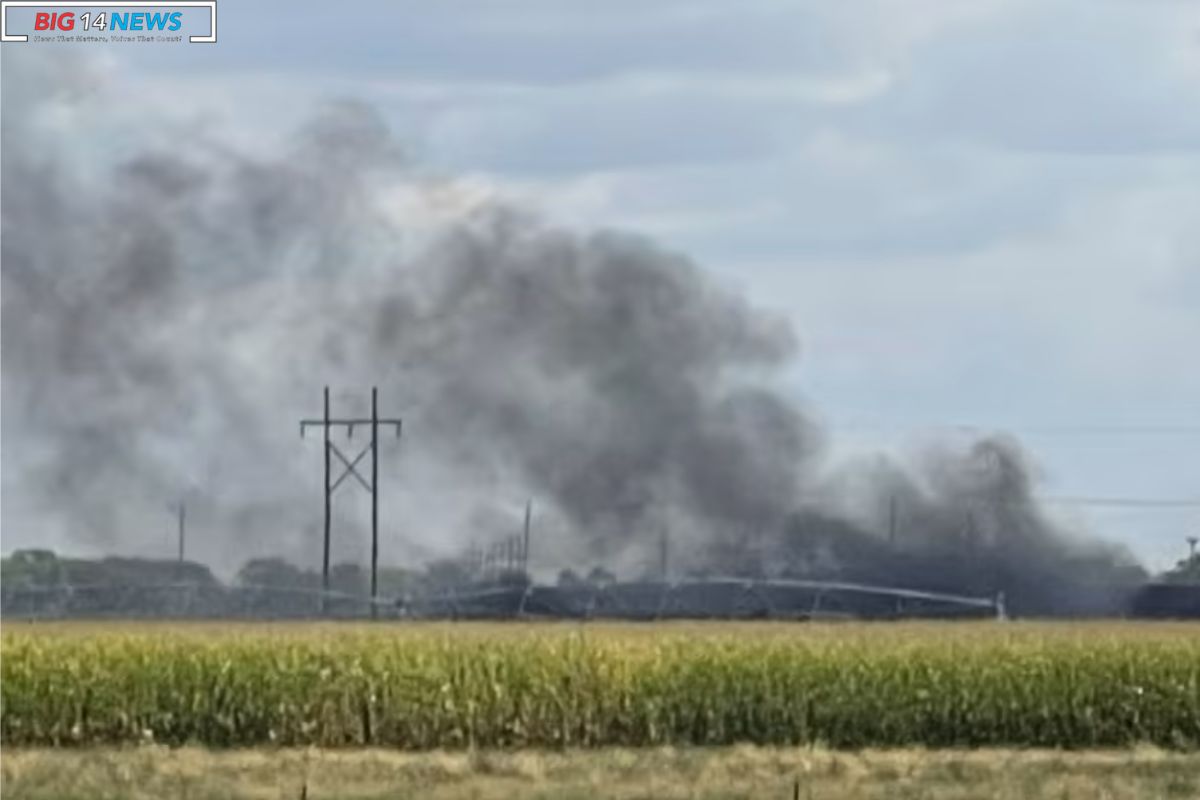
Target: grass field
(439, 686)
(151, 773)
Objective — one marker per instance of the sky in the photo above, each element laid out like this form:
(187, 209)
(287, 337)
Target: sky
(978, 214)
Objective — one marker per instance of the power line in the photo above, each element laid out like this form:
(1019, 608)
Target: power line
(1093, 430)
(1031, 430)
(1074, 500)
(1125, 502)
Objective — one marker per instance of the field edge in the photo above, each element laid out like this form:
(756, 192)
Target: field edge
(153, 771)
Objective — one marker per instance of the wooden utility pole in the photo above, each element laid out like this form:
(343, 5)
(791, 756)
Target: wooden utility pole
(328, 505)
(525, 538)
(892, 520)
(664, 554)
(375, 500)
(182, 530)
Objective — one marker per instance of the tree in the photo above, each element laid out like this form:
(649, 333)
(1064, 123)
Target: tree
(445, 574)
(1186, 571)
(31, 568)
(599, 576)
(273, 572)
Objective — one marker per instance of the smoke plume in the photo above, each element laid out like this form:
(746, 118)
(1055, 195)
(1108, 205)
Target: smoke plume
(173, 304)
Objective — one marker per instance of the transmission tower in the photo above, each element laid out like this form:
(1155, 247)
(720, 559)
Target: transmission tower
(350, 468)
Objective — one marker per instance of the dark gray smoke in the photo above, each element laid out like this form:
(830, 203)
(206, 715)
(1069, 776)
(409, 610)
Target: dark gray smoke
(172, 305)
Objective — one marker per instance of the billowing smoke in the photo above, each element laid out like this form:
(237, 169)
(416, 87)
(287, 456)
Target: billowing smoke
(173, 304)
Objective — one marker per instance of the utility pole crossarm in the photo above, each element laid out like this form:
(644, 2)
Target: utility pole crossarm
(349, 424)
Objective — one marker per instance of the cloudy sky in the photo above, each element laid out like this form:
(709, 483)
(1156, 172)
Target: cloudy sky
(982, 213)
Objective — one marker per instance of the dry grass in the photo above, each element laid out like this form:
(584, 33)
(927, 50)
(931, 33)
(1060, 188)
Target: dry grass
(740, 772)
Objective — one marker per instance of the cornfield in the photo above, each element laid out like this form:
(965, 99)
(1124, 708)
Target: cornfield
(421, 686)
